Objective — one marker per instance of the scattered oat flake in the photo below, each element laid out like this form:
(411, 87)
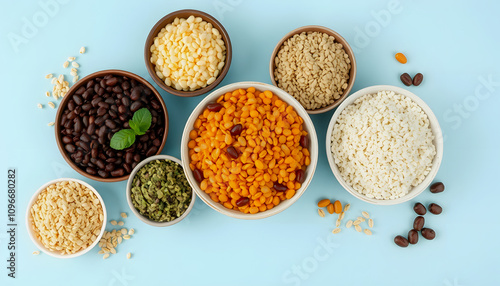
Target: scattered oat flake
(82, 50)
(75, 65)
(120, 223)
(358, 228)
(112, 250)
(129, 255)
(370, 223)
(105, 256)
(120, 239)
(346, 207)
(337, 223)
(51, 124)
(126, 236)
(348, 224)
(36, 252)
(71, 59)
(113, 222)
(39, 105)
(124, 231)
(100, 252)
(365, 214)
(66, 64)
(356, 222)
(51, 104)
(49, 75)
(367, 231)
(321, 213)
(47, 93)
(123, 215)
(341, 215)
(336, 230)
(131, 231)
(76, 78)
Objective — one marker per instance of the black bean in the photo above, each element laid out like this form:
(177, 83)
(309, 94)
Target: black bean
(156, 142)
(85, 121)
(118, 172)
(137, 158)
(99, 120)
(96, 101)
(413, 236)
(125, 85)
(110, 166)
(101, 111)
(83, 145)
(71, 105)
(103, 104)
(90, 170)
(94, 153)
(80, 90)
(136, 94)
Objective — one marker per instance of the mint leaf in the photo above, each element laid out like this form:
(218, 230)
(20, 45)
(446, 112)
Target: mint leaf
(122, 139)
(141, 121)
(135, 127)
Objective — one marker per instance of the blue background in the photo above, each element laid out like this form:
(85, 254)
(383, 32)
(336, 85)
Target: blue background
(453, 43)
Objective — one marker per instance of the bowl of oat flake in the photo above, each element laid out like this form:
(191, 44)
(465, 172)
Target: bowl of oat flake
(384, 145)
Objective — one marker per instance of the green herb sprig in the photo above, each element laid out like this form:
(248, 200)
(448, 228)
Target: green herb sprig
(139, 124)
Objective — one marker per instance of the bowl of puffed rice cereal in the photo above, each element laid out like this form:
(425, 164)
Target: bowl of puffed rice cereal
(384, 145)
(188, 53)
(315, 65)
(66, 218)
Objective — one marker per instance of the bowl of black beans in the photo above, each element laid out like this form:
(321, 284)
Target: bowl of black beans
(108, 122)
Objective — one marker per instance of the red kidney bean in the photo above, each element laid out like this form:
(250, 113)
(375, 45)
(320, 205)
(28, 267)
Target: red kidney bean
(413, 236)
(437, 188)
(214, 107)
(428, 233)
(418, 223)
(279, 187)
(401, 241)
(419, 209)
(243, 201)
(122, 109)
(304, 141)
(300, 176)
(91, 170)
(236, 130)
(109, 167)
(100, 164)
(435, 209)
(155, 104)
(117, 90)
(232, 152)
(96, 101)
(198, 175)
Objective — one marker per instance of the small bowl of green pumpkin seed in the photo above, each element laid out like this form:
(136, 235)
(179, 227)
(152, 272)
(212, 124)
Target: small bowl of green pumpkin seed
(158, 192)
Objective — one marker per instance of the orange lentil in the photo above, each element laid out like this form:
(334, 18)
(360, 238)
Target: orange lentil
(400, 57)
(268, 148)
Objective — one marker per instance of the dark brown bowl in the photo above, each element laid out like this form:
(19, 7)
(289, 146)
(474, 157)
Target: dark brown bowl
(69, 95)
(169, 19)
(339, 39)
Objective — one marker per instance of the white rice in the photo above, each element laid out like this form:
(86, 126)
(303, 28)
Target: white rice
(382, 145)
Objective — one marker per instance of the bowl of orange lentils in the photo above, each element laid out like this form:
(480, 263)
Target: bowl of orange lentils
(249, 150)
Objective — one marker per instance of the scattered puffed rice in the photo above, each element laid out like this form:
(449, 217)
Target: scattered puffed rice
(129, 255)
(370, 223)
(49, 75)
(131, 231)
(124, 231)
(36, 252)
(66, 64)
(367, 231)
(105, 256)
(356, 222)
(75, 64)
(120, 223)
(76, 78)
(337, 230)
(337, 223)
(39, 105)
(126, 236)
(361, 219)
(82, 50)
(123, 215)
(51, 123)
(51, 104)
(47, 93)
(73, 73)
(71, 59)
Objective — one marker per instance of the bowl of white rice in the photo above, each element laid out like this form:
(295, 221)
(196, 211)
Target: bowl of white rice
(384, 145)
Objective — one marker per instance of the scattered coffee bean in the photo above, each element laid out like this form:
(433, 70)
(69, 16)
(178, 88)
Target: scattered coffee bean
(401, 241)
(420, 209)
(428, 233)
(406, 79)
(413, 236)
(417, 79)
(437, 188)
(419, 222)
(435, 209)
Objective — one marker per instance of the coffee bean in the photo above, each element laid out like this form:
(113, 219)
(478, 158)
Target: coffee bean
(67, 140)
(428, 233)
(135, 106)
(406, 79)
(419, 209)
(151, 151)
(103, 173)
(413, 236)
(91, 170)
(417, 79)
(418, 223)
(435, 209)
(214, 107)
(70, 148)
(437, 188)
(78, 99)
(129, 157)
(127, 168)
(401, 241)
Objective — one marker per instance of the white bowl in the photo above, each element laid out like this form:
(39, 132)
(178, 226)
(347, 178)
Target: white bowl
(438, 142)
(29, 220)
(308, 126)
(129, 185)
